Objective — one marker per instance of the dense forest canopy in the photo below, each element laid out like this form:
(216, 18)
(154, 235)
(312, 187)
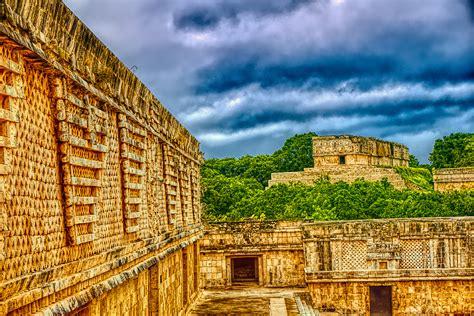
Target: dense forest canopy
(455, 150)
(234, 188)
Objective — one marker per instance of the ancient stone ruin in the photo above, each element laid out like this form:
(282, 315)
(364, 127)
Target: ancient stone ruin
(347, 158)
(357, 150)
(453, 179)
(399, 266)
(100, 209)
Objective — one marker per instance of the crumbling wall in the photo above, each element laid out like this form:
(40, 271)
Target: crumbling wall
(427, 262)
(98, 182)
(277, 245)
(453, 179)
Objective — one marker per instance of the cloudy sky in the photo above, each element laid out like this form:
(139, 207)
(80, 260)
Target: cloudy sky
(244, 75)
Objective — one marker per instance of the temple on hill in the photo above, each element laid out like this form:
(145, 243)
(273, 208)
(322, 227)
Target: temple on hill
(347, 158)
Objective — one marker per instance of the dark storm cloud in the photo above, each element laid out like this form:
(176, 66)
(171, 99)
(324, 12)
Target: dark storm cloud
(323, 71)
(420, 51)
(409, 114)
(209, 14)
(243, 75)
(470, 7)
(329, 71)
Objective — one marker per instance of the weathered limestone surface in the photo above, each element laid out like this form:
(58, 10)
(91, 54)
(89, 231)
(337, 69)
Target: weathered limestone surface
(428, 297)
(99, 184)
(348, 158)
(453, 179)
(277, 245)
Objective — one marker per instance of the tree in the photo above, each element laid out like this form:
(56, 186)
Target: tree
(296, 154)
(413, 162)
(455, 150)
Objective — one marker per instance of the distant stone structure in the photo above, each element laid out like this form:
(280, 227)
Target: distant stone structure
(357, 150)
(99, 184)
(347, 158)
(453, 179)
(421, 266)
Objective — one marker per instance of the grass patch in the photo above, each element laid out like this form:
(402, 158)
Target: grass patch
(420, 178)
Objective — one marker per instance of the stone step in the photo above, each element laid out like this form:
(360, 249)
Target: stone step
(303, 302)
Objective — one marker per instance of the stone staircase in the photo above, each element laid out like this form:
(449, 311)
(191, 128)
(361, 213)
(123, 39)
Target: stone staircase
(303, 302)
(346, 173)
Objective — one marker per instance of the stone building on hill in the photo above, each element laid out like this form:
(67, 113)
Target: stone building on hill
(347, 158)
(356, 150)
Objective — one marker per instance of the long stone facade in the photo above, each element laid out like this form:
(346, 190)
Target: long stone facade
(453, 179)
(99, 185)
(348, 158)
(406, 266)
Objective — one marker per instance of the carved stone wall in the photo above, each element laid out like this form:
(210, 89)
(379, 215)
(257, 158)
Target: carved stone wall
(99, 184)
(453, 179)
(277, 246)
(357, 150)
(346, 173)
(428, 263)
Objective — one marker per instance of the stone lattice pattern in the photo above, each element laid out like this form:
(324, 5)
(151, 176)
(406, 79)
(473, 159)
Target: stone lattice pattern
(425, 261)
(99, 183)
(11, 95)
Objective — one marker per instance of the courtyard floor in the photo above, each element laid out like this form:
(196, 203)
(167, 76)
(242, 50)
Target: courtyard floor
(248, 301)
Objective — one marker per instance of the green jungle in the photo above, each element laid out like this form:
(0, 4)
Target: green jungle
(234, 189)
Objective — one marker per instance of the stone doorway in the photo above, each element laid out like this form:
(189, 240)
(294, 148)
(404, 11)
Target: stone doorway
(380, 300)
(244, 269)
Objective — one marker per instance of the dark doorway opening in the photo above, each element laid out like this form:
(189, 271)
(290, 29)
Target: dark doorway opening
(245, 269)
(342, 160)
(381, 300)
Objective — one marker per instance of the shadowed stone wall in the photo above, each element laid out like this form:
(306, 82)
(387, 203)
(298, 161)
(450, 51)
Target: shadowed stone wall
(99, 185)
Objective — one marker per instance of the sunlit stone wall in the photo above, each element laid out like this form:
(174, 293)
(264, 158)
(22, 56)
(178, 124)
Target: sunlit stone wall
(99, 184)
